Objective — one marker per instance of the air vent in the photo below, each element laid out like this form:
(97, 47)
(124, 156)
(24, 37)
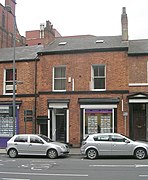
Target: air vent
(62, 43)
(99, 41)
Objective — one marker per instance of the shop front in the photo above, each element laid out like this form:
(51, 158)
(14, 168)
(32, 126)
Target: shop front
(98, 116)
(6, 122)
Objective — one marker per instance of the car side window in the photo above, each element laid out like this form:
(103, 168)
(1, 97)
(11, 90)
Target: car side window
(21, 139)
(35, 140)
(101, 138)
(117, 138)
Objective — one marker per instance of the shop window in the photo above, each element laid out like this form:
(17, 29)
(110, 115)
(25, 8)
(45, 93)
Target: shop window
(6, 122)
(59, 83)
(9, 81)
(98, 121)
(98, 77)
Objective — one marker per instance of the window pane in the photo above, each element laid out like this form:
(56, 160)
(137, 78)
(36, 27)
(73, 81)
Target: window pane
(96, 70)
(99, 83)
(9, 75)
(59, 72)
(101, 71)
(59, 84)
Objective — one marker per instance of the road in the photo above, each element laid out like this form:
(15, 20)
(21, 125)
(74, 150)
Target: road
(72, 168)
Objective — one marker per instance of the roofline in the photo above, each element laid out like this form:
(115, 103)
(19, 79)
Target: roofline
(19, 60)
(136, 53)
(83, 51)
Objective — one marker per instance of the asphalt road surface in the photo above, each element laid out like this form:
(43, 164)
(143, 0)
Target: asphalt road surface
(72, 168)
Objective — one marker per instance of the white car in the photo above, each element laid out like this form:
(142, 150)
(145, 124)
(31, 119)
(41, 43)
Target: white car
(112, 144)
(33, 144)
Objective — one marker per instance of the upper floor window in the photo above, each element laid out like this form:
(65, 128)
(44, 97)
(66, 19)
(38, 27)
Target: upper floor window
(99, 77)
(9, 81)
(59, 78)
(3, 20)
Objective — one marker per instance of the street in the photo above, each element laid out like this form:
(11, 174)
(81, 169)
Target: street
(72, 168)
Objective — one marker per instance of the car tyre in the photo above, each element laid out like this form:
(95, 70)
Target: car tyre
(92, 153)
(140, 153)
(12, 153)
(52, 153)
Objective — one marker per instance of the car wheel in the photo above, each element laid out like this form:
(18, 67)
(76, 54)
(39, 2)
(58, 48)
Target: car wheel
(92, 153)
(52, 153)
(12, 153)
(140, 153)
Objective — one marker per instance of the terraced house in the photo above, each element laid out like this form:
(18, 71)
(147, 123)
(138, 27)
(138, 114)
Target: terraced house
(76, 86)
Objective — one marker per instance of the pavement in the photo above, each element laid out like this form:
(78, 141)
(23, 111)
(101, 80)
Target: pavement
(73, 151)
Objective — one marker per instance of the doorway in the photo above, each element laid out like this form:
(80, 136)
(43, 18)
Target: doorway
(60, 125)
(139, 121)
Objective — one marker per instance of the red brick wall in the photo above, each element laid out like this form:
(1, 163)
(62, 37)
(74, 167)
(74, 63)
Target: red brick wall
(78, 66)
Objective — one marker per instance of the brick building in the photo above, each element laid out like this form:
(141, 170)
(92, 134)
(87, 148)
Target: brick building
(7, 19)
(44, 36)
(76, 86)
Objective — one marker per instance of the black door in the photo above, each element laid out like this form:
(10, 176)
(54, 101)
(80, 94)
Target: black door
(61, 125)
(139, 121)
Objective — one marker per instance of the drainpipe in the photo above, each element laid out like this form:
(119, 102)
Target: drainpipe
(35, 97)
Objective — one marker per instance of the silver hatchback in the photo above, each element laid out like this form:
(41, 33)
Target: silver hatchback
(33, 144)
(112, 144)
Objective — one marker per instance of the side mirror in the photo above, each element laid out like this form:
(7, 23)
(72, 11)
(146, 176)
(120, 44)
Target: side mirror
(126, 141)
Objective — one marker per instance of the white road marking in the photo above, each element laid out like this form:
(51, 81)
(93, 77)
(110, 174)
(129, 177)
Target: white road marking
(142, 175)
(112, 165)
(13, 179)
(120, 165)
(42, 174)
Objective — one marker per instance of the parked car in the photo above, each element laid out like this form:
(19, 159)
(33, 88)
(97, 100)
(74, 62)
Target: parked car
(112, 144)
(33, 144)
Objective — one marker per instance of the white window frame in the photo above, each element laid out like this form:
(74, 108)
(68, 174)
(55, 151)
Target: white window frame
(4, 84)
(62, 90)
(92, 77)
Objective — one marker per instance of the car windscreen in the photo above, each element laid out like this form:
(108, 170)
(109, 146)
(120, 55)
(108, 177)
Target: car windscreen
(45, 138)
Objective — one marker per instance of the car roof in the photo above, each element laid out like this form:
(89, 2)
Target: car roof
(104, 134)
(26, 135)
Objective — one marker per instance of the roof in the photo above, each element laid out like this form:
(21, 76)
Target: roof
(85, 43)
(21, 53)
(138, 47)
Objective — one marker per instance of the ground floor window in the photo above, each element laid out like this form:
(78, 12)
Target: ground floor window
(6, 121)
(98, 120)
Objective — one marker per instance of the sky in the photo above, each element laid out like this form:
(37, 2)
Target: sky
(83, 17)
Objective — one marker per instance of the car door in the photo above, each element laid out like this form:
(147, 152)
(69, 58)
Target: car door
(36, 146)
(21, 144)
(103, 144)
(120, 145)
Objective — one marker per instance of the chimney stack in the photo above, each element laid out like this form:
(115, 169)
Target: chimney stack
(124, 23)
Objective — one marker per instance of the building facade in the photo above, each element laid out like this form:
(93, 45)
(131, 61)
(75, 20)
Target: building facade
(44, 36)
(76, 86)
(7, 21)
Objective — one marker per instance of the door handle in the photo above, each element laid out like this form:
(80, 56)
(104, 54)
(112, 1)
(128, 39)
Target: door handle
(30, 144)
